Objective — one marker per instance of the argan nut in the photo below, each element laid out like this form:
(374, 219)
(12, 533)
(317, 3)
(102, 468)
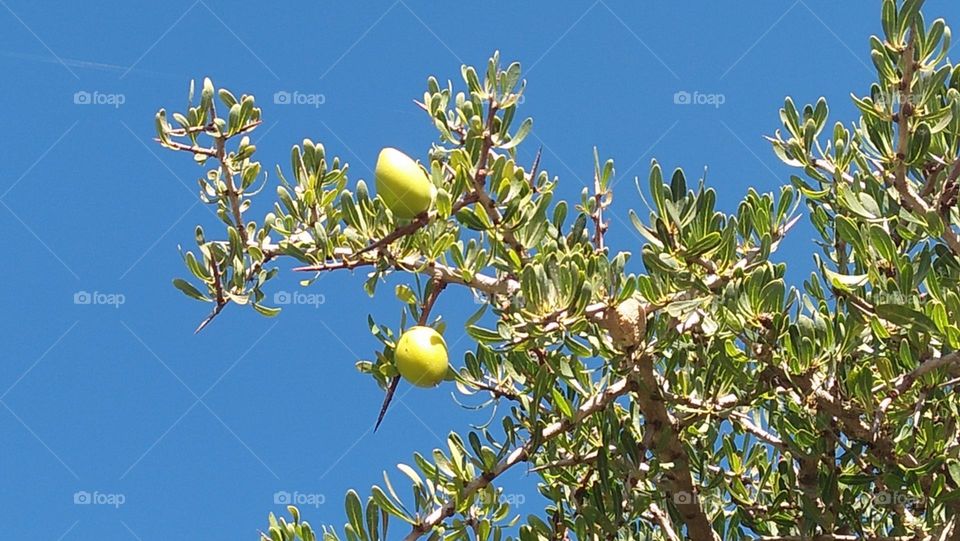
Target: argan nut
(627, 323)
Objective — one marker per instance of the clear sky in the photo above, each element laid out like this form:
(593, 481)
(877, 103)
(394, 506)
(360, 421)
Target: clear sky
(176, 436)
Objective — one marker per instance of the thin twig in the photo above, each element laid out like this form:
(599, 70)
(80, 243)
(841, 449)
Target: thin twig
(664, 521)
(187, 148)
(386, 401)
(910, 198)
(218, 287)
(903, 383)
(450, 275)
(211, 129)
(480, 180)
(415, 225)
(601, 200)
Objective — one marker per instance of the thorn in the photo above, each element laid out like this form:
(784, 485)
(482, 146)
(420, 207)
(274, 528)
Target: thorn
(533, 170)
(209, 318)
(386, 401)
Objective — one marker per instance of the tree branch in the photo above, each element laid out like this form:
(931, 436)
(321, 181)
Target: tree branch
(417, 224)
(233, 194)
(601, 199)
(911, 200)
(187, 148)
(903, 115)
(903, 383)
(449, 275)
(677, 482)
(908, 195)
(480, 181)
(521, 454)
(664, 521)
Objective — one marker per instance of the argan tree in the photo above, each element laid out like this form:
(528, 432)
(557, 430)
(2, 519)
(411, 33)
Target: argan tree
(678, 389)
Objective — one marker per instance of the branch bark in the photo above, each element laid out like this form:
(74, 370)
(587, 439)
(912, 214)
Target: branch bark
(908, 194)
(903, 383)
(480, 180)
(678, 481)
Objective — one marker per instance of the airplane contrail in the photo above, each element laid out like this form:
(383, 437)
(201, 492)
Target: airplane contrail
(81, 64)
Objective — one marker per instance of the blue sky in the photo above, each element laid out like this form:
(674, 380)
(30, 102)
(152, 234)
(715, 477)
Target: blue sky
(187, 434)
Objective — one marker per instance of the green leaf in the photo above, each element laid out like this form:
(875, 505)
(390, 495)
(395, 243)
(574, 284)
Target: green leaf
(561, 402)
(889, 19)
(388, 505)
(226, 97)
(919, 144)
(190, 291)
(354, 511)
(846, 282)
(848, 231)
(906, 317)
(883, 243)
(703, 245)
(520, 135)
(657, 189)
(483, 335)
(405, 294)
(643, 230)
(196, 269)
(265, 310)
(953, 466)
(411, 473)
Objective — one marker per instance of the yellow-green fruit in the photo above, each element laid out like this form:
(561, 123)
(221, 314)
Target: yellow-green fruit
(421, 356)
(401, 184)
